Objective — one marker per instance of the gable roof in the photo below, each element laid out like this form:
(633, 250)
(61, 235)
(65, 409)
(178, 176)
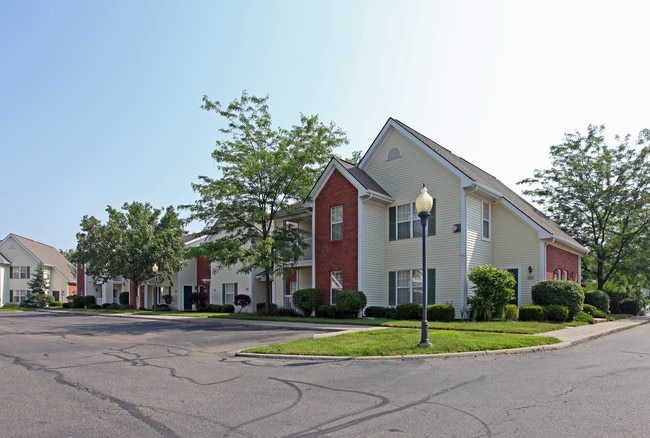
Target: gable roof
(49, 256)
(355, 175)
(474, 176)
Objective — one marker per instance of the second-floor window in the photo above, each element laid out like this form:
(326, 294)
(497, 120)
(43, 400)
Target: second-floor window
(404, 222)
(486, 220)
(336, 222)
(19, 272)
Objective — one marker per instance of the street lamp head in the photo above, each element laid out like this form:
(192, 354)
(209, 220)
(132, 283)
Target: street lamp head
(424, 201)
(154, 268)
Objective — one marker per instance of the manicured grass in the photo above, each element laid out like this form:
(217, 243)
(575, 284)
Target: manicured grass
(403, 342)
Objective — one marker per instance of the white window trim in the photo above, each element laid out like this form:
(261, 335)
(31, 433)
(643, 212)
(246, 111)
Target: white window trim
(411, 287)
(487, 205)
(335, 290)
(336, 222)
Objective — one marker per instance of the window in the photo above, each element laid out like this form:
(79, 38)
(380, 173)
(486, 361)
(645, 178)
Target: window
(19, 272)
(404, 222)
(18, 296)
(228, 292)
(406, 286)
(486, 221)
(336, 221)
(393, 153)
(409, 286)
(336, 285)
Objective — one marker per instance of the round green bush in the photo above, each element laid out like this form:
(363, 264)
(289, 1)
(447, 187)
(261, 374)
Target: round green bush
(593, 311)
(511, 312)
(55, 303)
(561, 292)
(124, 297)
(90, 300)
(531, 313)
(598, 299)
(114, 306)
(306, 300)
(78, 302)
(163, 307)
(375, 312)
(408, 311)
(556, 312)
(441, 312)
(350, 302)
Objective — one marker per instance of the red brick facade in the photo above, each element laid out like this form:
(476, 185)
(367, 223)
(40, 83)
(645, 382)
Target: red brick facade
(339, 255)
(561, 265)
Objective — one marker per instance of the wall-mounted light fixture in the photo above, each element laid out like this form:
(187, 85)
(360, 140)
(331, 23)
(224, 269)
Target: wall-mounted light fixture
(456, 228)
(573, 275)
(530, 269)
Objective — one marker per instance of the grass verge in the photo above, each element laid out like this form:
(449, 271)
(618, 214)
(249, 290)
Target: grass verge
(403, 342)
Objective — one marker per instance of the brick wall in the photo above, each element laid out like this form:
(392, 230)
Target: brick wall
(558, 259)
(340, 255)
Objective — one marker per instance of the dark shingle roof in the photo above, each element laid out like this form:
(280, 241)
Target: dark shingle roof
(363, 178)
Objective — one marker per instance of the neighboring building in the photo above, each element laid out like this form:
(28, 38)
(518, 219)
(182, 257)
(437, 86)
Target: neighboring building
(367, 235)
(19, 258)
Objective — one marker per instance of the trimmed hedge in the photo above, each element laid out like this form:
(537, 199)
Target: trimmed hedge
(633, 306)
(561, 292)
(556, 312)
(13, 306)
(531, 313)
(593, 311)
(408, 311)
(261, 308)
(326, 311)
(376, 312)
(598, 299)
(441, 312)
(124, 297)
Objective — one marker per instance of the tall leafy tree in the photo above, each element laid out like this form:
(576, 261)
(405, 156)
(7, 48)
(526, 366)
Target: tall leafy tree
(264, 171)
(130, 242)
(38, 287)
(600, 195)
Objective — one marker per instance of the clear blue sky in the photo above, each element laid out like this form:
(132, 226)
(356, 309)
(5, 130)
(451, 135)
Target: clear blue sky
(100, 100)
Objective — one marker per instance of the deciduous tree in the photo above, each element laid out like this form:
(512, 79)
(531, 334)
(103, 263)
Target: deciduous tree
(264, 171)
(130, 242)
(600, 195)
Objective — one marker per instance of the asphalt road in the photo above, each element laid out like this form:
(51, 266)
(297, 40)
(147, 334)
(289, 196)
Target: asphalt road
(86, 376)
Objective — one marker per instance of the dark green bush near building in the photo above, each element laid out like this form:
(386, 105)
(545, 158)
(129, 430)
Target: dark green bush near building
(376, 312)
(213, 308)
(561, 292)
(441, 312)
(78, 302)
(287, 311)
(125, 307)
(556, 312)
(598, 299)
(408, 311)
(89, 300)
(326, 311)
(261, 309)
(511, 312)
(66, 305)
(230, 308)
(633, 306)
(114, 306)
(55, 303)
(106, 305)
(531, 313)
(163, 308)
(93, 306)
(124, 297)
(350, 302)
(615, 298)
(306, 300)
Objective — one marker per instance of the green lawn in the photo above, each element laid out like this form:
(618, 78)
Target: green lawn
(403, 342)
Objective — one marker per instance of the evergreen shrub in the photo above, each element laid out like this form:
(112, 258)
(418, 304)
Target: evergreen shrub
(350, 302)
(562, 292)
(376, 312)
(441, 312)
(408, 311)
(556, 312)
(326, 311)
(598, 299)
(632, 306)
(306, 300)
(124, 297)
(531, 313)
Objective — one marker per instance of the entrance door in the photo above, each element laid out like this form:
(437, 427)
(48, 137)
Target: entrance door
(515, 272)
(187, 297)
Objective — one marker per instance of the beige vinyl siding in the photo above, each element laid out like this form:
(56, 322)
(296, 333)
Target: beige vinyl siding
(403, 178)
(479, 251)
(516, 244)
(375, 279)
(231, 275)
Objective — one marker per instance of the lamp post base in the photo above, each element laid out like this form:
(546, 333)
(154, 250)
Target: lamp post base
(425, 344)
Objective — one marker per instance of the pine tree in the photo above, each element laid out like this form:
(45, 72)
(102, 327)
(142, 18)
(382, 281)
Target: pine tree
(38, 288)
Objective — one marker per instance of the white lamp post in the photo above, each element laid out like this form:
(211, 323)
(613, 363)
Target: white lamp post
(423, 204)
(154, 269)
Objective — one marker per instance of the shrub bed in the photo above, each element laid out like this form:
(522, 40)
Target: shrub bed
(556, 312)
(441, 312)
(350, 302)
(511, 312)
(408, 311)
(531, 313)
(560, 292)
(598, 299)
